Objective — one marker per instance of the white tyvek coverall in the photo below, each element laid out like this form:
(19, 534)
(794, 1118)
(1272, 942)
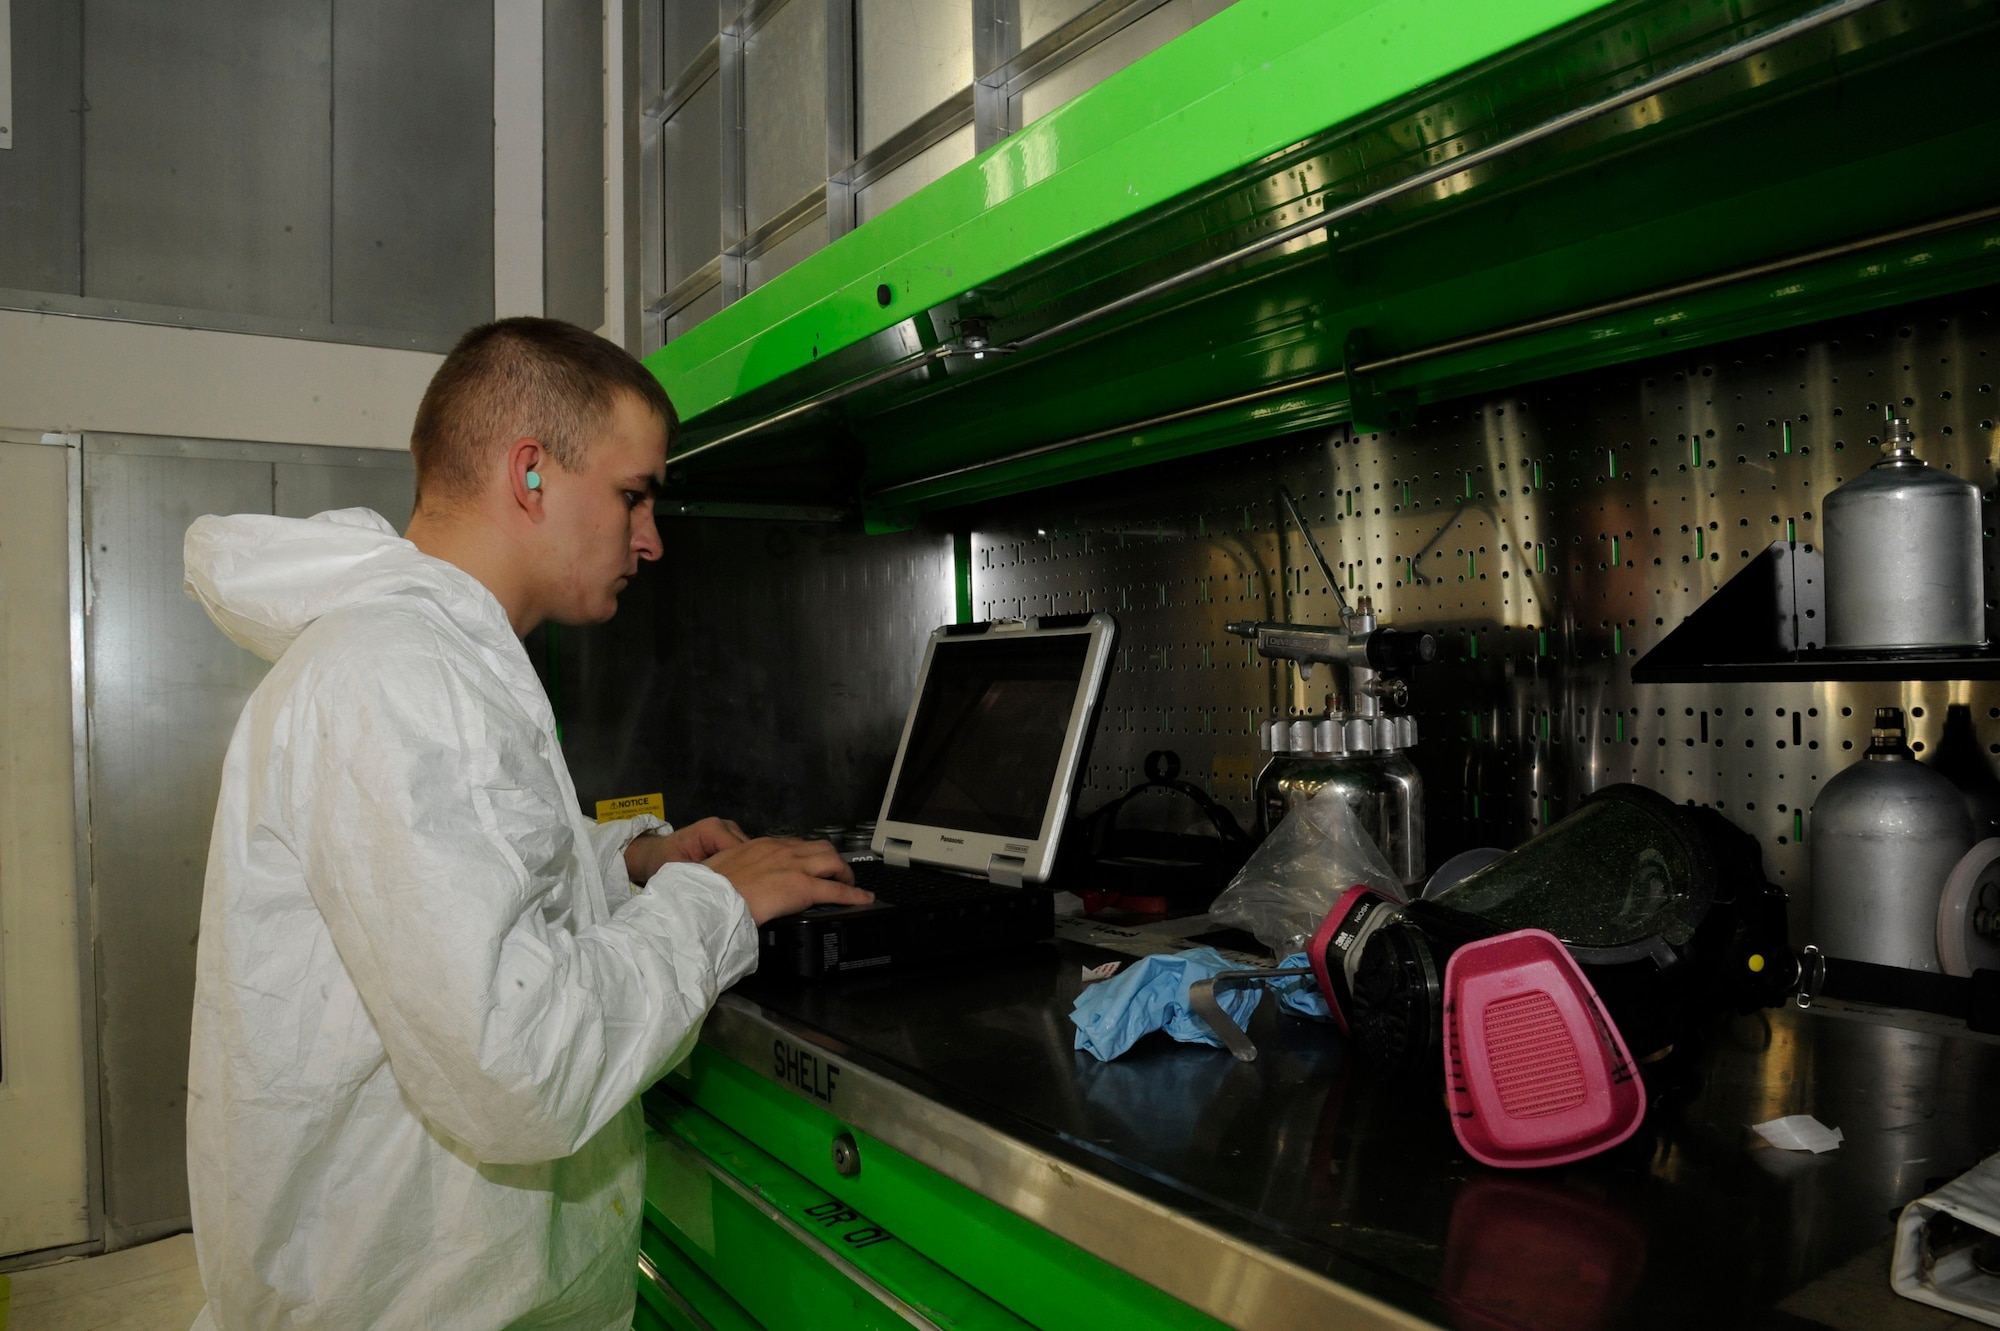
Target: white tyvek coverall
(426, 995)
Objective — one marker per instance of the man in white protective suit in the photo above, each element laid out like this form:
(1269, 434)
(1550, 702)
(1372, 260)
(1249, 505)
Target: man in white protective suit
(428, 990)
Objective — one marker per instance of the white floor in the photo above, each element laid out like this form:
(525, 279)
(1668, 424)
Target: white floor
(151, 1288)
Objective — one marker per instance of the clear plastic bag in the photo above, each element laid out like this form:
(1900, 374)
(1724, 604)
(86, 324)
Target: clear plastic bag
(1315, 853)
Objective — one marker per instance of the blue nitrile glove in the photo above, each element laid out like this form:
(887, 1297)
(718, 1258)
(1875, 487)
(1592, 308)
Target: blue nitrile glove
(1300, 993)
(1152, 995)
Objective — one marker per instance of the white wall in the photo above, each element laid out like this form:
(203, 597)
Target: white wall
(63, 373)
(68, 375)
(42, 1168)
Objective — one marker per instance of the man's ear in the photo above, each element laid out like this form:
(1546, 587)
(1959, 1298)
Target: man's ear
(527, 472)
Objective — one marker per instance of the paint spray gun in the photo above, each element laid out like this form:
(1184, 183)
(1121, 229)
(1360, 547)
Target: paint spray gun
(1359, 747)
(1376, 658)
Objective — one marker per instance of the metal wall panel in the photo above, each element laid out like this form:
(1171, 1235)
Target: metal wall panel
(412, 238)
(1101, 61)
(691, 178)
(1553, 535)
(41, 190)
(6, 77)
(911, 55)
(165, 689)
(573, 161)
(686, 29)
(806, 240)
(760, 670)
(784, 109)
(1039, 18)
(207, 159)
(299, 490)
(879, 196)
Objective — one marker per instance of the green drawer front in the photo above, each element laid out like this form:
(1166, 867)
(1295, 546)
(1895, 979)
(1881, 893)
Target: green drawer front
(675, 1294)
(1041, 1278)
(745, 1241)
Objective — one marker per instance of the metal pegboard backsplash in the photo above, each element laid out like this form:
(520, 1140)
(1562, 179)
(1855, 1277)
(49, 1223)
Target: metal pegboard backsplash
(1552, 535)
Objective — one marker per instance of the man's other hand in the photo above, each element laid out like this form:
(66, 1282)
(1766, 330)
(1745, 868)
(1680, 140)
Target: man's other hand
(692, 844)
(782, 876)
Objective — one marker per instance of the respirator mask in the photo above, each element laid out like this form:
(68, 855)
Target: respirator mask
(1662, 908)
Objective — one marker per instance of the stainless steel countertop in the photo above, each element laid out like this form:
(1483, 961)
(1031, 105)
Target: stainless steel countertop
(1302, 1186)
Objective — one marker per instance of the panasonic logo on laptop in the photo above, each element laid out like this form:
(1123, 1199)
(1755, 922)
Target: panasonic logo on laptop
(952, 840)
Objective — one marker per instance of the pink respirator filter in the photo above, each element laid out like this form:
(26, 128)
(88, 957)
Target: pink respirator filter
(1535, 1071)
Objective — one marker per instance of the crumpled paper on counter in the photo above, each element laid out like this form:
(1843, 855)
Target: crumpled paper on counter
(1799, 1132)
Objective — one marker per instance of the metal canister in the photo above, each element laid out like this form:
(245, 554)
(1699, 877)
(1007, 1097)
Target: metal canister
(858, 842)
(1903, 566)
(1886, 833)
(1383, 787)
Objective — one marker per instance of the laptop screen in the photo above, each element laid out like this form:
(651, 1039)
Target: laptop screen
(986, 744)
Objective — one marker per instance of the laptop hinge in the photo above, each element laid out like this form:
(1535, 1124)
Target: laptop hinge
(1005, 870)
(896, 852)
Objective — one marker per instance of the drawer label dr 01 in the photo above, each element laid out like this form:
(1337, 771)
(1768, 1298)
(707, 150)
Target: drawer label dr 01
(809, 1072)
(856, 1231)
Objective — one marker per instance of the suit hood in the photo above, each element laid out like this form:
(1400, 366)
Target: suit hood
(264, 580)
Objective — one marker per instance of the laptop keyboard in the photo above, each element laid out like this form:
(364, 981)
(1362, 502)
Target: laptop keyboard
(918, 885)
(935, 914)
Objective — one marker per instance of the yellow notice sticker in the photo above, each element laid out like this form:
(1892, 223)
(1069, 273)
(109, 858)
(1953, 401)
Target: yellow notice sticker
(631, 806)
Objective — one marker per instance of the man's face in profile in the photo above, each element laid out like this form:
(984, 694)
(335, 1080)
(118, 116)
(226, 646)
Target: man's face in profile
(601, 516)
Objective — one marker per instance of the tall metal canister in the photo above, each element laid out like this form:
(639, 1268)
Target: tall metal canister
(1366, 759)
(1886, 833)
(1903, 566)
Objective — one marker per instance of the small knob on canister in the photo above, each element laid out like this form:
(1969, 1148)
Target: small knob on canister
(1886, 739)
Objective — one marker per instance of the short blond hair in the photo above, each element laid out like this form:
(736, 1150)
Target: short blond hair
(522, 378)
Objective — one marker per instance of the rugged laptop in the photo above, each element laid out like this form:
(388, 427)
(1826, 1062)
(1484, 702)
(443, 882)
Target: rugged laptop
(978, 795)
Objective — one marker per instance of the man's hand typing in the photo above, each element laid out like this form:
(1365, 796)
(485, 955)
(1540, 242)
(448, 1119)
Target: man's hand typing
(782, 876)
(693, 844)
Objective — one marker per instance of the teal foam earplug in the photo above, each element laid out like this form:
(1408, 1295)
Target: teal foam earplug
(534, 480)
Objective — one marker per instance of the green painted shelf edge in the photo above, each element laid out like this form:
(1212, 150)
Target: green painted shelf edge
(1247, 83)
(1796, 161)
